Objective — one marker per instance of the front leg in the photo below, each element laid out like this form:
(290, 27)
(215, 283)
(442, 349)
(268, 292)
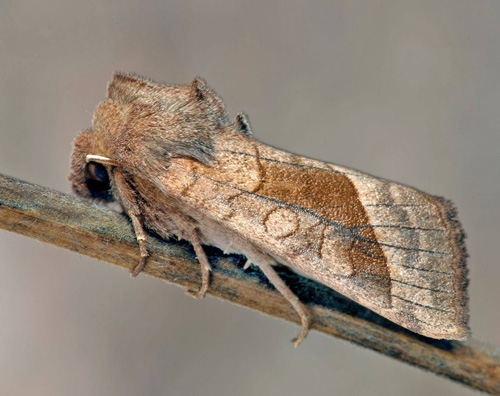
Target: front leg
(128, 198)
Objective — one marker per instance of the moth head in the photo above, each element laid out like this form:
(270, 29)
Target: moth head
(89, 178)
(142, 125)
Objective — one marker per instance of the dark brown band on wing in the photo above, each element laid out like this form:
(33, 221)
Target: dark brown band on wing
(334, 197)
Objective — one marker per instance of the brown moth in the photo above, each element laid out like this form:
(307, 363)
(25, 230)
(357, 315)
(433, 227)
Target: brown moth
(176, 164)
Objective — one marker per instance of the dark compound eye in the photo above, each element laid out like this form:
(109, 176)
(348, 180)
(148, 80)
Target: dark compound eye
(97, 180)
(97, 172)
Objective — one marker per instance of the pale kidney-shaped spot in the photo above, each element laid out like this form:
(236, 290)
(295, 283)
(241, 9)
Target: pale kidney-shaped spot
(281, 222)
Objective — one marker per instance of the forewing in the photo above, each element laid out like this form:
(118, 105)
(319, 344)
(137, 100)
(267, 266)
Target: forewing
(390, 247)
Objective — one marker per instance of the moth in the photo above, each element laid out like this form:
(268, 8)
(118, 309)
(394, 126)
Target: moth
(177, 165)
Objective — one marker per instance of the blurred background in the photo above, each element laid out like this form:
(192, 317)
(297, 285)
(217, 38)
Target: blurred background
(405, 90)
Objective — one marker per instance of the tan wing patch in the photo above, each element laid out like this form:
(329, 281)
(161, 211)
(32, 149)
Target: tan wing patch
(333, 198)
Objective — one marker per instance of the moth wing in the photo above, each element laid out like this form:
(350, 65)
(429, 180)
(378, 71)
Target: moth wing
(390, 247)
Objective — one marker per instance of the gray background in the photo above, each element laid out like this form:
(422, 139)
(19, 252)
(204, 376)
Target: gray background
(406, 90)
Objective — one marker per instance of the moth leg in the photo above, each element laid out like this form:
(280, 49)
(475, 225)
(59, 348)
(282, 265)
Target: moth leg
(143, 250)
(281, 286)
(205, 265)
(128, 199)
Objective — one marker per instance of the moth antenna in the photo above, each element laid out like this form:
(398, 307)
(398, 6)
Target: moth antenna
(101, 160)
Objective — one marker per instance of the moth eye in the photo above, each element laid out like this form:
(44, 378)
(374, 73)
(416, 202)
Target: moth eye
(97, 172)
(97, 180)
